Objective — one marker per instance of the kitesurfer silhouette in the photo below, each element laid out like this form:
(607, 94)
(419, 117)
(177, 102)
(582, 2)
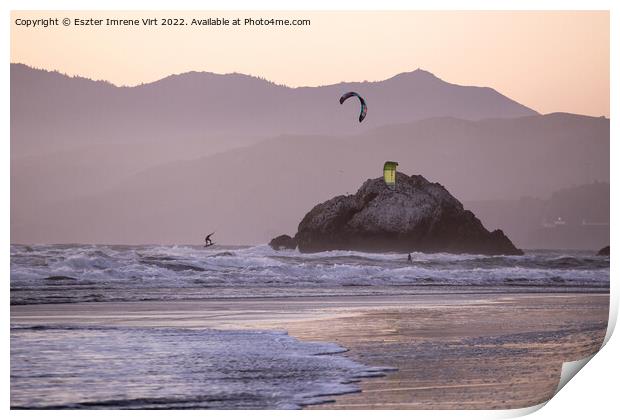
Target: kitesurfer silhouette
(409, 258)
(208, 241)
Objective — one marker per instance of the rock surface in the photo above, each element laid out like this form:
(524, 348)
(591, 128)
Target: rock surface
(283, 242)
(603, 252)
(416, 216)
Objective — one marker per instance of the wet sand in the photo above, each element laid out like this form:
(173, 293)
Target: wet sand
(452, 351)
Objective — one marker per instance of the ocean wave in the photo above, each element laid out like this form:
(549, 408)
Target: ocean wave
(104, 367)
(73, 273)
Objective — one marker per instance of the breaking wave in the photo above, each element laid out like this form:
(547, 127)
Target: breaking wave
(77, 273)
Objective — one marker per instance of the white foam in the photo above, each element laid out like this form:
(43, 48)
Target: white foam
(103, 272)
(106, 368)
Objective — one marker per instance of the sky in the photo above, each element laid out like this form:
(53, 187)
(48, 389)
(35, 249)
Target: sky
(551, 61)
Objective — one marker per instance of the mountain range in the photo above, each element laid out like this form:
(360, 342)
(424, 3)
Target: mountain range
(212, 112)
(166, 161)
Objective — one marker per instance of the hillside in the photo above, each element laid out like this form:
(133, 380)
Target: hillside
(206, 113)
(250, 195)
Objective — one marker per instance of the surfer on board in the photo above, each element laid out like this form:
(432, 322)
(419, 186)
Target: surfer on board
(208, 241)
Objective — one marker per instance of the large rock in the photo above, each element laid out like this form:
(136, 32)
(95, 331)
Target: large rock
(416, 216)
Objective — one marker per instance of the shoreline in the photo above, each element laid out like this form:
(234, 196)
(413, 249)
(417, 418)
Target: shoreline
(551, 290)
(492, 350)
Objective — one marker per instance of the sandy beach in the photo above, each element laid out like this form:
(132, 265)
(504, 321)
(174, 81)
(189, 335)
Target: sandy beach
(451, 351)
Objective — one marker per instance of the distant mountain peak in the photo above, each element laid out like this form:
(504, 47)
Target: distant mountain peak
(418, 74)
(421, 72)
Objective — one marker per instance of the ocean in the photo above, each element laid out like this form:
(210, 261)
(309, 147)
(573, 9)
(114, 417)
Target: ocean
(69, 366)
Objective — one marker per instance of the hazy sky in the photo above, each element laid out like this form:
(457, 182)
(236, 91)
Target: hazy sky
(549, 61)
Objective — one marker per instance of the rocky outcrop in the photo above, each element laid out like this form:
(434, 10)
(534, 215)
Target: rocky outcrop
(283, 242)
(603, 252)
(416, 216)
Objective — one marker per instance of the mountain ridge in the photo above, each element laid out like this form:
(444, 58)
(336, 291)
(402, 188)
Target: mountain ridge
(418, 72)
(92, 162)
(249, 193)
(54, 111)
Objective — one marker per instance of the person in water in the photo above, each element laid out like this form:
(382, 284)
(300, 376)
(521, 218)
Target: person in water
(208, 241)
(409, 258)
